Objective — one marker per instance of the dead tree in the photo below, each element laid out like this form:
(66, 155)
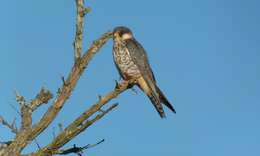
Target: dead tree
(28, 131)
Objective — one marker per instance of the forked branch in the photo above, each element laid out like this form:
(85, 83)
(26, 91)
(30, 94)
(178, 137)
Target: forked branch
(83, 121)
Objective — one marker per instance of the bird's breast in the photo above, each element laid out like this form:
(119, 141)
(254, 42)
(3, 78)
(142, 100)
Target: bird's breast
(125, 64)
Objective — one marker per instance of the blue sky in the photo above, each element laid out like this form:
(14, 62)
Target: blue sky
(205, 55)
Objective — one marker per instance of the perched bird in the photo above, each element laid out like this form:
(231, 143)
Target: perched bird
(132, 63)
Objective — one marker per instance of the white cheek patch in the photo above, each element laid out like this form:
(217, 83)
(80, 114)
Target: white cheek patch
(127, 36)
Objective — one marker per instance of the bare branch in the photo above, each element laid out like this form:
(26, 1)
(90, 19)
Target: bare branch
(81, 12)
(20, 99)
(38, 145)
(94, 48)
(22, 138)
(94, 145)
(3, 146)
(27, 108)
(26, 113)
(28, 131)
(83, 121)
(78, 150)
(71, 82)
(12, 126)
(42, 97)
(15, 109)
(70, 132)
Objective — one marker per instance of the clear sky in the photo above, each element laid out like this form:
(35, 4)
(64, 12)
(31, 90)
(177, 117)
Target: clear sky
(205, 55)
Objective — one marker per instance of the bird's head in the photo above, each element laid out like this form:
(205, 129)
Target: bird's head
(122, 33)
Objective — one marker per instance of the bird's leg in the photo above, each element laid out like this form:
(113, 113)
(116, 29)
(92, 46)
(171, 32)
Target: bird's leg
(117, 84)
(129, 82)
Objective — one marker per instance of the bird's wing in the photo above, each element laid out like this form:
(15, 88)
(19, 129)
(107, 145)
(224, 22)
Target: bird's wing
(139, 57)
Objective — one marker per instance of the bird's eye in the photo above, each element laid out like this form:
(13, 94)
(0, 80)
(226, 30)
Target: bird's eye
(121, 33)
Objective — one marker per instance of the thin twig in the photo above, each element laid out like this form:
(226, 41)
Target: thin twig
(78, 150)
(26, 113)
(38, 145)
(79, 29)
(42, 97)
(12, 126)
(15, 109)
(70, 132)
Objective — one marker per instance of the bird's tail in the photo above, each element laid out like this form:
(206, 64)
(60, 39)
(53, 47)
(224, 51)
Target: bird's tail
(150, 90)
(164, 100)
(156, 103)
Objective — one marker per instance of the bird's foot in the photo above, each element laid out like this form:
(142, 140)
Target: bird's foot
(120, 83)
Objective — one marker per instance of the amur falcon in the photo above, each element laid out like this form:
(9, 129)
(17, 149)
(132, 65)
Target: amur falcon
(132, 63)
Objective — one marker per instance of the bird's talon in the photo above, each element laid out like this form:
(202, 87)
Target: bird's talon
(117, 85)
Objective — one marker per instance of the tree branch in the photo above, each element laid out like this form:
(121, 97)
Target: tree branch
(3, 145)
(27, 108)
(78, 150)
(28, 131)
(83, 121)
(42, 97)
(26, 113)
(22, 138)
(81, 12)
(66, 90)
(69, 133)
(12, 126)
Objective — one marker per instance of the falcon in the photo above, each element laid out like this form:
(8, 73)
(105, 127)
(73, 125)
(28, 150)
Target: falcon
(132, 63)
